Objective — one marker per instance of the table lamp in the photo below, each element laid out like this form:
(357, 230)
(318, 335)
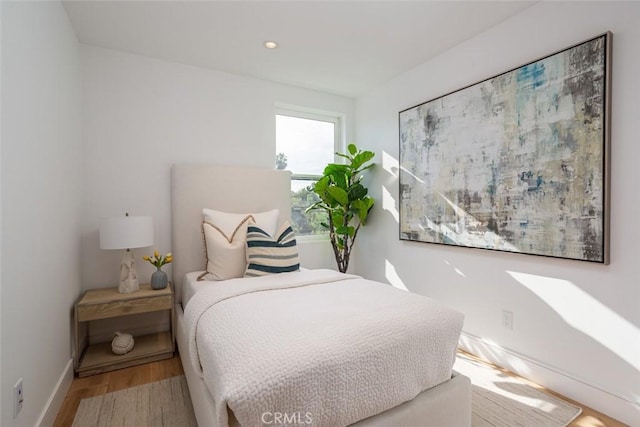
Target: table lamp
(127, 232)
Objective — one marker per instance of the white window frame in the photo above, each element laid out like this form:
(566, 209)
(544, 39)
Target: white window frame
(338, 141)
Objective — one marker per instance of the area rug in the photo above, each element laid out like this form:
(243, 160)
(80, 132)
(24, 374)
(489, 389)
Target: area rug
(498, 400)
(162, 403)
(501, 400)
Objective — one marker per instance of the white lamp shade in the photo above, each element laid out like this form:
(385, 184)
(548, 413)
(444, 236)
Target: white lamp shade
(126, 232)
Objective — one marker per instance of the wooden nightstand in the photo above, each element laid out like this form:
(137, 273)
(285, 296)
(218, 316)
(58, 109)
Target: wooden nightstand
(107, 303)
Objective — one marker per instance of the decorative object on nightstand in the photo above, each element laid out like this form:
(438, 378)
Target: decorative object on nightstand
(158, 278)
(122, 343)
(127, 232)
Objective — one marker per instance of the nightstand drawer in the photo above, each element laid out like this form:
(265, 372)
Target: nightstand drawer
(121, 308)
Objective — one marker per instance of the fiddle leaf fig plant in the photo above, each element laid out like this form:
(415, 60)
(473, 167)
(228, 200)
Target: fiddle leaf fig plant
(345, 200)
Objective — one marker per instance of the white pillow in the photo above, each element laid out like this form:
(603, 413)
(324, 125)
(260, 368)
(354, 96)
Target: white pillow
(225, 236)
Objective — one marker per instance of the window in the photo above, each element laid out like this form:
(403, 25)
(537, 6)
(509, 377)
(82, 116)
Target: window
(305, 144)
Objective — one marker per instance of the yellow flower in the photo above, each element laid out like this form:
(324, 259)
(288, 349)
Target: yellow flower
(158, 259)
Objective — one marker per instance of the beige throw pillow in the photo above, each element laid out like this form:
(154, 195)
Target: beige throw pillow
(225, 236)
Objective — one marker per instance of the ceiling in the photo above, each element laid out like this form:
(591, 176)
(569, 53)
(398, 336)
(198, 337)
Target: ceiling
(341, 47)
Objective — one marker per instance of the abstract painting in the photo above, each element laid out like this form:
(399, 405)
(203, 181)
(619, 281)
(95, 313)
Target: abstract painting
(517, 162)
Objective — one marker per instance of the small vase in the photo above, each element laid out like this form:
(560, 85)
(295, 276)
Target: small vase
(159, 279)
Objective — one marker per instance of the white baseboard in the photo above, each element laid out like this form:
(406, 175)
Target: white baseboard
(56, 399)
(552, 378)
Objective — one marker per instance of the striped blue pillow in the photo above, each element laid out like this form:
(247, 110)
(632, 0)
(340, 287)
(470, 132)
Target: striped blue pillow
(270, 255)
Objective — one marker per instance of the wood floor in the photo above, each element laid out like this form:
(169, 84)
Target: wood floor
(96, 385)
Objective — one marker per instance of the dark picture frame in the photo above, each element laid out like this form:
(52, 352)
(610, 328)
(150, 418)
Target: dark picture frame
(518, 162)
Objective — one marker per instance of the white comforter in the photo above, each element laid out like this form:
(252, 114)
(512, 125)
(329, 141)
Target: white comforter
(318, 346)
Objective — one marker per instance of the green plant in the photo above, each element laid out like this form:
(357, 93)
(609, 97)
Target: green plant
(345, 200)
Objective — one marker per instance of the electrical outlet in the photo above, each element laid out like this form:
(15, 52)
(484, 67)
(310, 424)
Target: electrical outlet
(18, 397)
(507, 319)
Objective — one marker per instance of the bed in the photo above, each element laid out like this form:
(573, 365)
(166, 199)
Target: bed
(427, 400)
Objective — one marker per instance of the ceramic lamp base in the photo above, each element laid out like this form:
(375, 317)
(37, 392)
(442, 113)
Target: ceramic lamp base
(128, 274)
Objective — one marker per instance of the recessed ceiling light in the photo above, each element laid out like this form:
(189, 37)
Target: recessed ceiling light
(270, 45)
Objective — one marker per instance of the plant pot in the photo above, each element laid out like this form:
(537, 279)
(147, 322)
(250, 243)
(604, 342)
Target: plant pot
(159, 279)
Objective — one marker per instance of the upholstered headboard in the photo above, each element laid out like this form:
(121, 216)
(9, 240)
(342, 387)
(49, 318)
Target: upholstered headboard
(228, 189)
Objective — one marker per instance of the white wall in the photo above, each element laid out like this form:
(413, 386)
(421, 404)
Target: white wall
(577, 321)
(41, 177)
(141, 115)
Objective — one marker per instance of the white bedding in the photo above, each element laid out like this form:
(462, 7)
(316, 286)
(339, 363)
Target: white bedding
(191, 285)
(317, 345)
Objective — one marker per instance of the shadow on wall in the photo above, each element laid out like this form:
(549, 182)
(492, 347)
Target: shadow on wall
(559, 306)
(584, 313)
(554, 301)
